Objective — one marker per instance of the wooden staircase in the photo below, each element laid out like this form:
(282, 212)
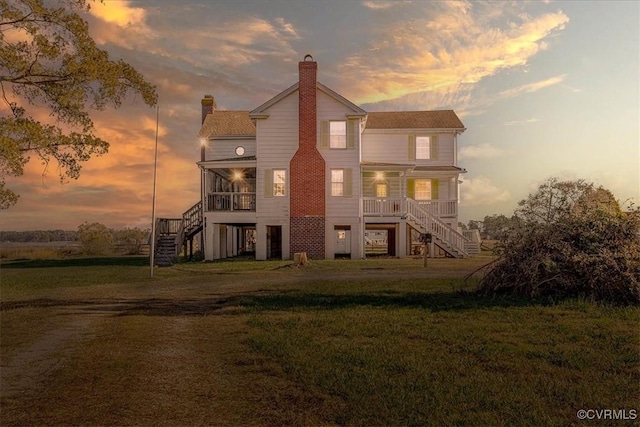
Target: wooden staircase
(174, 233)
(444, 236)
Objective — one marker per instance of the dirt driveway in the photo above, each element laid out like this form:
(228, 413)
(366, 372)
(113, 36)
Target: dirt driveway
(169, 351)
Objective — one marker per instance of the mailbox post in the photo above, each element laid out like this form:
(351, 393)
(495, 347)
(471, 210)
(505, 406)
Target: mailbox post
(426, 239)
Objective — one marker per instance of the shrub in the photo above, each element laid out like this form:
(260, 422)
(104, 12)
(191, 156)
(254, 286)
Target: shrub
(96, 238)
(571, 239)
(132, 239)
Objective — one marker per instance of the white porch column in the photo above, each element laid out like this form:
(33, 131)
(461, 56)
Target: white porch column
(401, 232)
(261, 242)
(215, 241)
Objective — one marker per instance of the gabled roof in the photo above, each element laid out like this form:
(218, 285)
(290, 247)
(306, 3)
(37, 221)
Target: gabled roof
(260, 112)
(227, 123)
(439, 119)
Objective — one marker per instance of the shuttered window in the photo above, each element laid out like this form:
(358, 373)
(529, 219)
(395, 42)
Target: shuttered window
(337, 182)
(423, 144)
(339, 134)
(279, 182)
(275, 182)
(423, 147)
(341, 182)
(423, 189)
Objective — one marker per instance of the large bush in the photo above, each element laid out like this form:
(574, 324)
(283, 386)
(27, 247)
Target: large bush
(96, 238)
(569, 239)
(132, 239)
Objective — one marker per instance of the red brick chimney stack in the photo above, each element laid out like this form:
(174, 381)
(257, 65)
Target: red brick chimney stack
(307, 171)
(208, 106)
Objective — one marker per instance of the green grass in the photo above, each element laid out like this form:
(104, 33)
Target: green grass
(370, 342)
(419, 360)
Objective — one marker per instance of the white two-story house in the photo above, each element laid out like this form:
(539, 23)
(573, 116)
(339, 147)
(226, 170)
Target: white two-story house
(309, 171)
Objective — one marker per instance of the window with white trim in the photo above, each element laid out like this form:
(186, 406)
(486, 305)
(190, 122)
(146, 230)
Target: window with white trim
(382, 190)
(279, 182)
(338, 134)
(423, 147)
(337, 182)
(423, 189)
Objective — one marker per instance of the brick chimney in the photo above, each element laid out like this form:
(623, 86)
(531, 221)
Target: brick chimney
(307, 171)
(208, 106)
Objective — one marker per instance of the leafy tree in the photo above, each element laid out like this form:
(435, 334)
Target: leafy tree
(571, 239)
(96, 238)
(48, 60)
(132, 239)
(495, 226)
(475, 225)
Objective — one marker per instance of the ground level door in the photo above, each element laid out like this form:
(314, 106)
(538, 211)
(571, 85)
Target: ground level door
(274, 242)
(343, 240)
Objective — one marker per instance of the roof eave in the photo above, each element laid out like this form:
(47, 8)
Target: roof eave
(433, 130)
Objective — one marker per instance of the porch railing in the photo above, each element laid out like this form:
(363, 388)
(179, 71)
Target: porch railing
(384, 207)
(397, 206)
(436, 226)
(245, 202)
(192, 218)
(440, 207)
(168, 226)
(423, 214)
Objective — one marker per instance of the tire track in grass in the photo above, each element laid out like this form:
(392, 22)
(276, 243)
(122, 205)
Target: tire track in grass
(27, 370)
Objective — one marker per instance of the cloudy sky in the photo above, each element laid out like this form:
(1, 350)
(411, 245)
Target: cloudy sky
(545, 88)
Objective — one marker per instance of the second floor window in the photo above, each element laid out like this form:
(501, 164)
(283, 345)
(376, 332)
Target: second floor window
(423, 147)
(279, 182)
(338, 134)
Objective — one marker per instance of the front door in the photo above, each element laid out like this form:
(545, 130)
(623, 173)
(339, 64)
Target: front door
(343, 241)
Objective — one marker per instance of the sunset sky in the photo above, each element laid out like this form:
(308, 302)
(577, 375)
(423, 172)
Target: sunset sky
(544, 88)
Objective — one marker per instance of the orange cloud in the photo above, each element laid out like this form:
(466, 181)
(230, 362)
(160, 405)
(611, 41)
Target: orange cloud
(119, 13)
(458, 45)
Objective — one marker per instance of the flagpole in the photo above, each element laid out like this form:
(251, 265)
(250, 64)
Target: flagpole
(153, 204)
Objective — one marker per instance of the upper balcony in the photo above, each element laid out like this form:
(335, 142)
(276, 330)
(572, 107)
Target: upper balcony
(230, 202)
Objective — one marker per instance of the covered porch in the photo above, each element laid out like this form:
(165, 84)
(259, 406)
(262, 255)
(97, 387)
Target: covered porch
(386, 188)
(229, 188)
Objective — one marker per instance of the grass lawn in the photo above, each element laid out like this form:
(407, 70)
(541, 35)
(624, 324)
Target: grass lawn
(373, 342)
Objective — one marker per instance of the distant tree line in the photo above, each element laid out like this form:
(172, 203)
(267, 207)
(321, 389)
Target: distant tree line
(492, 227)
(39, 236)
(95, 238)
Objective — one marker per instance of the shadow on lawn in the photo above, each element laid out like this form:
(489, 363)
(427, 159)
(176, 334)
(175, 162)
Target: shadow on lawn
(132, 261)
(280, 301)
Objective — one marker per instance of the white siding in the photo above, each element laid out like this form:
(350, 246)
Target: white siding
(393, 147)
(348, 206)
(394, 186)
(219, 149)
(277, 142)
